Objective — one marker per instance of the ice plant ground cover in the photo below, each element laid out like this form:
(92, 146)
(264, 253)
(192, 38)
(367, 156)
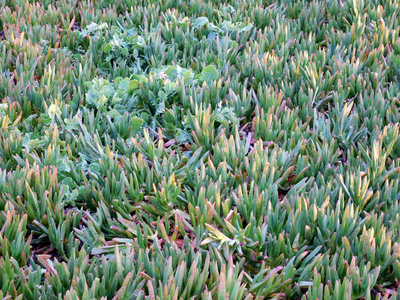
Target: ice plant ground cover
(201, 149)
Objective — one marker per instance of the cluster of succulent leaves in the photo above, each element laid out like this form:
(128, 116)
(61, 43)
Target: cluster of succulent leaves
(201, 149)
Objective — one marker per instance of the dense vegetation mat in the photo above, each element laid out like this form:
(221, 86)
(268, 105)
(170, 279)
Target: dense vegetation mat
(199, 149)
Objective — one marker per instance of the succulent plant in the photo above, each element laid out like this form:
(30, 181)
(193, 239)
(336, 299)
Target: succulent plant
(199, 149)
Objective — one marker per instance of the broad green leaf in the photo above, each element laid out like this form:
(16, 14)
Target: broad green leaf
(209, 74)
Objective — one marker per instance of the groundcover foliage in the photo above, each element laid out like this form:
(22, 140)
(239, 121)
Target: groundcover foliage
(200, 149)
